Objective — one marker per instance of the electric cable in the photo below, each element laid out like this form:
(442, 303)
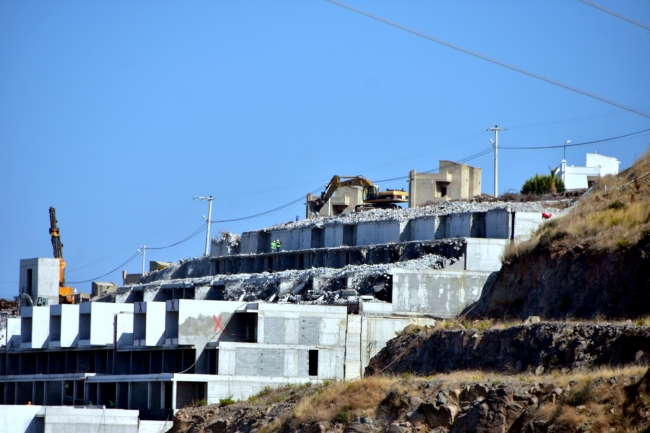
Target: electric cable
(182, 213)
(130, 259)
(108, 273)
(199, 230)
(491, 60)
(611, 12)
(574, 144)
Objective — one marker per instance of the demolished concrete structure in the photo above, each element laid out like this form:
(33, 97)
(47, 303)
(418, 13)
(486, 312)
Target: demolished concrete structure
(245, 318)
(453, 181)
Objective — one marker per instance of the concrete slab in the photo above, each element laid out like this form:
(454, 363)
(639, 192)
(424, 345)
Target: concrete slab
(96, 322)
(498, 224)
(484, 254)
(35, 327)
(440, 293)
(39, 278)
(149, 323)
(64, 325)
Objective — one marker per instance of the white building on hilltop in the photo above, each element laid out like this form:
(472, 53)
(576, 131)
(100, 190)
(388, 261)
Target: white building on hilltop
(583, 177)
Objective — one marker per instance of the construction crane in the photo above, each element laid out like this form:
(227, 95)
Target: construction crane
(66, 294)
(372, 197)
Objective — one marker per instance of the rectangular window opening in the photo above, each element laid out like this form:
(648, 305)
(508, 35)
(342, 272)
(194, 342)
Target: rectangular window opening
(313, 362)
(30, 280)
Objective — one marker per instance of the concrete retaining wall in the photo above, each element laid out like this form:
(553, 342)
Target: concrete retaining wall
(441, 293)
(484, 254)
(494, 224)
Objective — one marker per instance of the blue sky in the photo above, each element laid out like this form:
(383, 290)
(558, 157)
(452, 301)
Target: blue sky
(118, 113)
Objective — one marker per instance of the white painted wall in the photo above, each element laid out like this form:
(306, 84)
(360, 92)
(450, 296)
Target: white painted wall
(40, 332)
(69, 325)
(45, 279)
(17, 418)
(525, 225)
(484, 254)
(102, 319)
(10, 333)
(154, 332)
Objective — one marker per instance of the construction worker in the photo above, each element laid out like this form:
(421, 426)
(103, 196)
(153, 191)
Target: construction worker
(273, 246)
(278, 245)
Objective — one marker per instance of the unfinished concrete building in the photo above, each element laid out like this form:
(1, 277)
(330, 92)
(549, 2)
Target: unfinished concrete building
(452, 182)
(224, 326)
(344, 200)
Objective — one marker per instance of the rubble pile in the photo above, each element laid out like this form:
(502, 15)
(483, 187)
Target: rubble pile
(437, 209)
(314, 286)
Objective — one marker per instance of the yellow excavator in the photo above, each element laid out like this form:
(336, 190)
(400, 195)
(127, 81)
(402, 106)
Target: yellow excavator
(66, 294)
(372, 197)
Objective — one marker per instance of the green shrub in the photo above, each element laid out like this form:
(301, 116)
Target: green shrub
(578, 399)
(203, 402)
(226, 401)
(543, 184)
(622, 243)
(341, 416)
(616, 205)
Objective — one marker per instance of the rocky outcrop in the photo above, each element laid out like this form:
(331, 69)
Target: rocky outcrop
(553, 281)
(527, 348)
(517, 405)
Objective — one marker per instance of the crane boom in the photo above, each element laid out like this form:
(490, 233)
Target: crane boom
(66, 294)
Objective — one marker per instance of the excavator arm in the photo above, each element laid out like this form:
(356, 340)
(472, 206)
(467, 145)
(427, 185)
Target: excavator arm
(336, 183)
(66, 294)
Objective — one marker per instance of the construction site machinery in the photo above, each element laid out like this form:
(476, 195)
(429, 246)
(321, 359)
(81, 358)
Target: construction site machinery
(66, 294)
(372, 197)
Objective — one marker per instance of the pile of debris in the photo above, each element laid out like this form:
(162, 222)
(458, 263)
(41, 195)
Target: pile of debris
(313, 286)
(436, 209)
(8, 308)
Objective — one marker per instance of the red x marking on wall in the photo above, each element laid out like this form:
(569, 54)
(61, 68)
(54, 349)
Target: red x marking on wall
(217, 323)
(173, 306)
(140, 305)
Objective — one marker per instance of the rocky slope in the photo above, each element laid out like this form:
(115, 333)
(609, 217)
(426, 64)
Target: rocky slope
(542, 347)
(616, 401)
(555, 281)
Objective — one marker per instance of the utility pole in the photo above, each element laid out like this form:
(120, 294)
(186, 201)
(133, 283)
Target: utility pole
(207, 232)
(495, 143)
(564, 162)
(143, 251)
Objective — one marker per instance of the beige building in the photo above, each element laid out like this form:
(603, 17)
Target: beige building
(344, 200)
(452, 182)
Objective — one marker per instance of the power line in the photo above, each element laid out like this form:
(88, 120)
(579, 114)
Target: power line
(611, 12)
(108, 273)
(576, 144)
(130, 259)
(181, 241)
(497, 62)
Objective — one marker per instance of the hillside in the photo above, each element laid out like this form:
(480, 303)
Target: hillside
(471, 401)
(594, 262)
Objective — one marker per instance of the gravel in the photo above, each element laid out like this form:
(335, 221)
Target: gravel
(442, 208)
(366, 280)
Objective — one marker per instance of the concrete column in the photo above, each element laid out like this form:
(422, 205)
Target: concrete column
(412, 188)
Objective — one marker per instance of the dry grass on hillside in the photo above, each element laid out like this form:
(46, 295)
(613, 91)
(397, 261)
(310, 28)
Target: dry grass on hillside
(593, 397)
(612, 220)
(343, 401)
